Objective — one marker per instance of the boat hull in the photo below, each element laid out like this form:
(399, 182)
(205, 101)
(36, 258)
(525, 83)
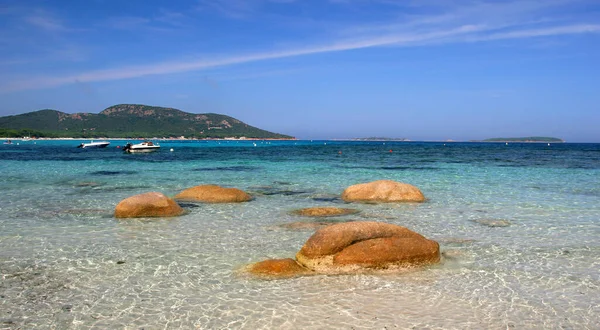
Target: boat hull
(141, 147)
(94, 145)
(135, 150)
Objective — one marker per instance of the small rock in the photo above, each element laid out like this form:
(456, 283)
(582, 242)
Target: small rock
(278, 268)
(493, 222)
(152, 204)
(453, 254)
(213, 194)
(383, 191)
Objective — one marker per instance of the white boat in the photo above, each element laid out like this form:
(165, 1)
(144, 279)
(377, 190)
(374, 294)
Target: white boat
(92, 144)
(145, 146)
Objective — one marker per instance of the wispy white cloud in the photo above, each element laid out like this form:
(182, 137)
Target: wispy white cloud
(163, 21)
(543, 32)
(237, 8)
(45, 21)
(172, 18)
(481, 22)
(126, 22)
(228, 8)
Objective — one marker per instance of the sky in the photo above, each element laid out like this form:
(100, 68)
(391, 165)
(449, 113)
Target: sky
(330, 69)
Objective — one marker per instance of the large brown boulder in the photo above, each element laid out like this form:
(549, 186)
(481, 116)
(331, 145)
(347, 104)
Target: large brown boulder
(152, 204)
(355, 246)
(278, 268)
(327, 211)
(213, 194)
(383, 191)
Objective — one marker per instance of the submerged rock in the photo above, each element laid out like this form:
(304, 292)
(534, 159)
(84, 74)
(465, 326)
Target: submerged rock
(86, 184)
(328, 211)
(453, 254)
(383, 191)
(271, 191)
(329, 198)
(152, 204)
(359, 245)
(278, 268)
(213, 194)
(493, 222)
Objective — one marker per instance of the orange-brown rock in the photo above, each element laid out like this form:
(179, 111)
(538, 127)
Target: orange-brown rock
(379, 252)
(328, 211)
(278, 268)
(357, 245)
(152, 204)
(383, 191)
(213, 194)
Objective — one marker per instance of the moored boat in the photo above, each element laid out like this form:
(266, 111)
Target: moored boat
(145, 146)
(92, 144)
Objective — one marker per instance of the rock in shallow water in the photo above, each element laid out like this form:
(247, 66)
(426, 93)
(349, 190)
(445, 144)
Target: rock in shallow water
(279, 268)
(152, 204)
(213, 194)
(383, 191)
(359, 245)
(353, 247)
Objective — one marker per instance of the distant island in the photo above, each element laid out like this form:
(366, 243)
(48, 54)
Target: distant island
(379, 139)
(526, 139)
(130, 121)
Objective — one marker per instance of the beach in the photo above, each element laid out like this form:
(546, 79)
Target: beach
(518, 228)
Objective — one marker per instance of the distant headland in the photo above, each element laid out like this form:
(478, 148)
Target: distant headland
(526, 139)
(131, 121)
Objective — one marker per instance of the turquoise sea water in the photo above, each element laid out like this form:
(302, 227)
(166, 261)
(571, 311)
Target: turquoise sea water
(518, 225)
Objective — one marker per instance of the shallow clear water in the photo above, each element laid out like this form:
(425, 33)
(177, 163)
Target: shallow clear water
(66, 262)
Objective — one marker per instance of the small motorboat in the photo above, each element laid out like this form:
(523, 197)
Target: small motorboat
(145, 146)
(8, 142)
(92, 144)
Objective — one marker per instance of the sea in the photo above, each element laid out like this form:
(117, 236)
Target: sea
(518, 226)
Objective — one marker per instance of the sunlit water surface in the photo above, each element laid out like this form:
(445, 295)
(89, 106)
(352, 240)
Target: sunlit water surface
(518, 226)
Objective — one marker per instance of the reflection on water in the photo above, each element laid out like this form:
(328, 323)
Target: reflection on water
(519, 243)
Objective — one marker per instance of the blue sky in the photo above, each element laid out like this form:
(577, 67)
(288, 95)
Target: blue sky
(423, 70)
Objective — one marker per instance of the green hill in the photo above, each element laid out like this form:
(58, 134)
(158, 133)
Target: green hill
(130, 121)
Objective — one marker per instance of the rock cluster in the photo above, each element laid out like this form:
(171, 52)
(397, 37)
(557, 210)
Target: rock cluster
(338, 248)
(155, 204)
(354, 247)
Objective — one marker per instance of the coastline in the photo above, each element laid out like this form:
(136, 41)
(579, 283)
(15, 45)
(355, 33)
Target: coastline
(22, 139)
